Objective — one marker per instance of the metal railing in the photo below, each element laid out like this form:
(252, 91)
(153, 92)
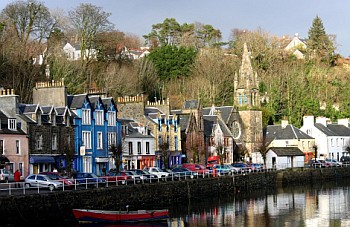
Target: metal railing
(16, 188)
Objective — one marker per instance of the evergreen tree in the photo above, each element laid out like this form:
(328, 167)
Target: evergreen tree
(319, 44)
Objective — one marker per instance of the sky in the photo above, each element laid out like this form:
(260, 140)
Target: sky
(277, 17)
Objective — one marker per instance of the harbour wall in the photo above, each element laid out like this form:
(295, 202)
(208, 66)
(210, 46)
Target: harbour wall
(56, 207)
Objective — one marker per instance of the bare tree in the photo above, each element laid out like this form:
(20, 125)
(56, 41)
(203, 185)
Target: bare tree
(27, 26)
(88, 20)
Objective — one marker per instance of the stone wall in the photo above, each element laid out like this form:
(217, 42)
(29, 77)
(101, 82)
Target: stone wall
(57, 207)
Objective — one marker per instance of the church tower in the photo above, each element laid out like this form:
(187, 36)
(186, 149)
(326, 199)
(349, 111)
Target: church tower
(246, 123)
(246, 83)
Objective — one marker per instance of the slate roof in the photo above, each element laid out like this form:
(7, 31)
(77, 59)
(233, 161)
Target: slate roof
(46, 109)
(152, 110)
(75, 101)
(287, 151)
(94, 100)
(333, 129)
(184, 120)
(133, 132)
(210, 121)
(28, 108)
(225, 111)
(276, 132)
(4, 126)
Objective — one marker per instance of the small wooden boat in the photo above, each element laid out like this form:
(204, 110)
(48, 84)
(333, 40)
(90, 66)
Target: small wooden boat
(106, 216)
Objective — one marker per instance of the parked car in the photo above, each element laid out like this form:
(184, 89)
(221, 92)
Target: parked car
(222, 169)
(157, 171)
(89, 180)
(315, 164)
(41, 181)
(67, 182)
(135, 177)
(234, 170)
(184, 173)
(244, 167)
(145, 175)
(257, 167)
(198, 168)
(118, 177)
(345, 159)
(333, 162)
(6, 175)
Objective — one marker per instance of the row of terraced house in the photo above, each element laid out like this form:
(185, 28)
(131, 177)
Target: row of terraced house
(75, 132)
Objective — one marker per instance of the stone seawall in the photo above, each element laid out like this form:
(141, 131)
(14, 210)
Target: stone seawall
(57, 207)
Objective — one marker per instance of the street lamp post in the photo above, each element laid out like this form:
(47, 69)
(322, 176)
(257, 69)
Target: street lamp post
(315, 147)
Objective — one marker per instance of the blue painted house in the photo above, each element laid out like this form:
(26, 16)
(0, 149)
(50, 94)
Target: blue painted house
(96, 129)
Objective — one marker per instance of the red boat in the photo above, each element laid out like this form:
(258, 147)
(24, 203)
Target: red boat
(106, 216)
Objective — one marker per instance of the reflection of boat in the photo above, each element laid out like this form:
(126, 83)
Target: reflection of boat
(126, 224)
(106, 216)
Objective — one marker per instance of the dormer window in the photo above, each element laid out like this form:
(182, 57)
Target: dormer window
(99, 117)
(86, 118)
(112, 118)
(12, 124)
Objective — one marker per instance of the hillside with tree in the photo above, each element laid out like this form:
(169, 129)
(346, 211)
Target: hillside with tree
(186, 61)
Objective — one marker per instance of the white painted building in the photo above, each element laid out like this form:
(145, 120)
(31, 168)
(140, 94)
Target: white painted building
(330, 138)
(284, 157)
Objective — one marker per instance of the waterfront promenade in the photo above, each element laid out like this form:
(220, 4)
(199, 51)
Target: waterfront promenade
(57, 206)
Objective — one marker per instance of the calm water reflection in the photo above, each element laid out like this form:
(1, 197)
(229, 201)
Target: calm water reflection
(317, 205)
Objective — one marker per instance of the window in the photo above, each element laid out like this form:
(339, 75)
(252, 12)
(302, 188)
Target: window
(99, 140)
(240, 99)
(86, 118)
(112, 119)
(138, 147)
(54, 141)
(39, 142)
(176, 144)
(147, 147)
(99, 117)
(87, 139)
(111, 138)
(17, 147)
(2, 149)
(12, 124)
(130, 148)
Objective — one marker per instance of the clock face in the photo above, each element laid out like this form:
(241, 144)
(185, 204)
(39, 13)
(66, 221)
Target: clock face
(236, 130)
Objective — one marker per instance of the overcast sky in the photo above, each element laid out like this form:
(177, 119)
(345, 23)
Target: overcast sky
(278, 17)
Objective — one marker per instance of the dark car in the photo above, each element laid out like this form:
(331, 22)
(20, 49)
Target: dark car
(345, 159)
(184, 173)
(89, 180)
(145, 176)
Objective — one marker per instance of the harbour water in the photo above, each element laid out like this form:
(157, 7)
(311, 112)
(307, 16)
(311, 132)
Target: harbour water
(317, 204)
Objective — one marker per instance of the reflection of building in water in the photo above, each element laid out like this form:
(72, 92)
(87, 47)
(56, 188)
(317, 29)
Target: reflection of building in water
(176, 222)
(314, 207)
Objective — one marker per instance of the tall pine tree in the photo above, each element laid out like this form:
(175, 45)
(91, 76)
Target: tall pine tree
(319, 44)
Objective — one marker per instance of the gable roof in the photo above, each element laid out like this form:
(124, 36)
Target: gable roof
(209, 123)
(276, 132)
(225, 111)
(76, 101)
(287, 151)
(333, 129)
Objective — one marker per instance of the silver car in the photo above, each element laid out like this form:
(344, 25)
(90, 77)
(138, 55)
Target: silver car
(6, 175)
(41, 181)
